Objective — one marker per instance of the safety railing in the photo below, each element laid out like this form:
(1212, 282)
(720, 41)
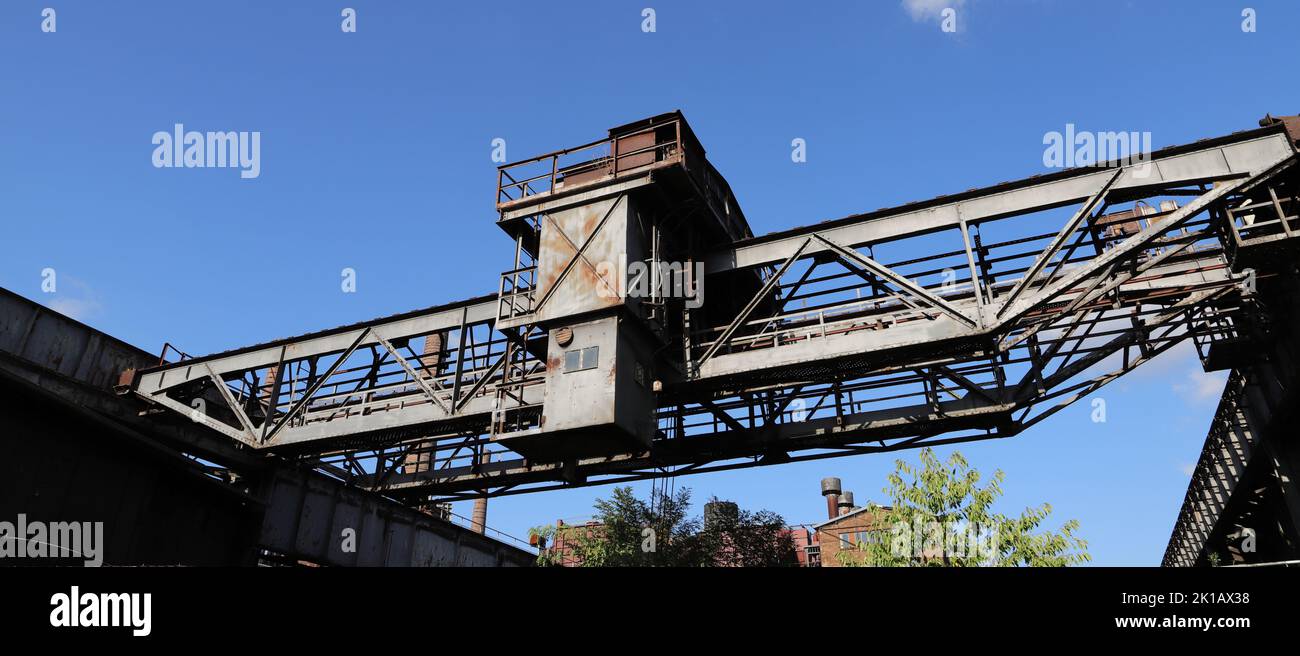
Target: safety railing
(515, 293)
(589, 163)
(1265, 220)
(180, 355)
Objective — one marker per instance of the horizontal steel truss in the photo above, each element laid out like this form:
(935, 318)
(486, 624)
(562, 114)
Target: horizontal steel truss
(990, 291)
(1248, 154)
(1085, 321)
(903, 407)
(377, 382)
(362, 405)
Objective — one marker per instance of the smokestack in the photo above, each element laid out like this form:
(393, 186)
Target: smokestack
(422, 454)
(846, 503)
(725, 512)
(479, 521)
(831, 490)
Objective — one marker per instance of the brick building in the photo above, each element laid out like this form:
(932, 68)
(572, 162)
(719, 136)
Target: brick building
(845, 533)
(560, 547)
(846, 526)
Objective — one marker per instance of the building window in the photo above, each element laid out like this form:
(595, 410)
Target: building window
(855, 539)
(581, 359)
(814, 555)
(865, 537)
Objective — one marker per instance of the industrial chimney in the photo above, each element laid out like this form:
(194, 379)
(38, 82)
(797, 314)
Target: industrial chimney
(831, 490)
(478, 521)
(724, 513)
(846, 503)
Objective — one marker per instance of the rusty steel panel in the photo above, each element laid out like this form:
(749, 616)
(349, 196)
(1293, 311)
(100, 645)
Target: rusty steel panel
(583, 398)
(583, 173)
(308, 517)
(571, 283)
(631, 144)
(64, 345)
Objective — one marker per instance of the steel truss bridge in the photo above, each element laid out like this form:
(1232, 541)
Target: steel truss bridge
(965, 317)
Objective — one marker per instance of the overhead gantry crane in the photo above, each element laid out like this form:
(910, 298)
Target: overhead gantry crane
(964, 317)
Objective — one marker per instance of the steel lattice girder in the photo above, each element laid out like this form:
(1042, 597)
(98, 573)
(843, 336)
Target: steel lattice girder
(1048, 322)
(1221, 158)
(988, 409)
(425, 398)
(1228, 450)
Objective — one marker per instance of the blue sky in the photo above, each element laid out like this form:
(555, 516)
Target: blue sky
(375, 155)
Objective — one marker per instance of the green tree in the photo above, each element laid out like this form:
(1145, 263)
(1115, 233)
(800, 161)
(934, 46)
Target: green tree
(631, 532)
(746, 539)
(939, 515)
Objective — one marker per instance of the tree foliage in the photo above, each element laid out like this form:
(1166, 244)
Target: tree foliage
(631, 532)
(745, 539)
(940, 515)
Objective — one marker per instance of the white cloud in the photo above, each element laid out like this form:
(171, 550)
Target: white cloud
(1198, 386)
(75, 299)
(1179, 367)
(1188, 469)
(927, 9)
(75, 308)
